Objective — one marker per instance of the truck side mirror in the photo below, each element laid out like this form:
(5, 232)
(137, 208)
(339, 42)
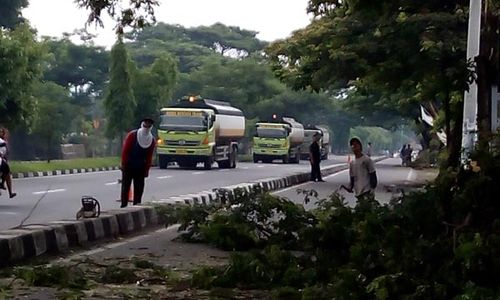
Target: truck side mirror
(212, 118)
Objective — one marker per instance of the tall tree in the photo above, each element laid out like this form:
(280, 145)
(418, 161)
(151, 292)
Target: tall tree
(153, 86)
(53, 114)
(20, 67)
(83, 69)
(397, 54)
(10, 14)
(119, 103)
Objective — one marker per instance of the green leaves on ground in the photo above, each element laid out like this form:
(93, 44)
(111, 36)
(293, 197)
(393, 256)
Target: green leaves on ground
(439, 243)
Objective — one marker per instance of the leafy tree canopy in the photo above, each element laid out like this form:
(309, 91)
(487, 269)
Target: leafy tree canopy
(10, 14)
(393, 53)
(135, 14)
(20, 67)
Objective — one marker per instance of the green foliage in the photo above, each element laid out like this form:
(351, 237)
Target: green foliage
(153, 86)
(387, 57)
(10, 14)
(120, 102)
(53, 276)
(118, 275)
(136, 14)
(379, 137)
(54, 112)
(83, 69)
(286, 293)
(439, 243)
(20, 67)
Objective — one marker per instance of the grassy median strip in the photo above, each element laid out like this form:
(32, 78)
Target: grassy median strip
(80, 163)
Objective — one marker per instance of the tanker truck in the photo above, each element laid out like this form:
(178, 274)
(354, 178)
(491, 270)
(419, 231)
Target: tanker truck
(278, 139)
(198, 130)
(324, 142)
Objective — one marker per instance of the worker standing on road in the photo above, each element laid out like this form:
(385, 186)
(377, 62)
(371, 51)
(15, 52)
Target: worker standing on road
(369, 150)
(362, 172)
(315, 158)
(137, 155)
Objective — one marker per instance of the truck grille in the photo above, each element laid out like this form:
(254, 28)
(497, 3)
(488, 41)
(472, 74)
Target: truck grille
(183, 143)
(269, 145)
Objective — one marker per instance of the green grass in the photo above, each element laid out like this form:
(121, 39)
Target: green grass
(81, 163)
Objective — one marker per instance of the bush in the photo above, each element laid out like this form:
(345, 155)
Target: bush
(441, 243)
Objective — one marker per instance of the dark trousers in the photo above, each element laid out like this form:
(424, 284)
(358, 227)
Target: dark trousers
(315, 171)
(138, 178)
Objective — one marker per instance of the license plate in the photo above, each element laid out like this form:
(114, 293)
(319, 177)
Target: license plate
(181, 151)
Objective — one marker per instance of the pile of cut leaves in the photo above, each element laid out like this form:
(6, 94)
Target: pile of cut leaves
(440, 243)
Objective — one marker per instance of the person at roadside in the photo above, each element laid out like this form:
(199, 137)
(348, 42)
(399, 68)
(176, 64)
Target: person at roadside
(136, 159)
(402, 154)
(315, 158)
(4, 165)
(369, 149)
(363, 177)
(409, 151)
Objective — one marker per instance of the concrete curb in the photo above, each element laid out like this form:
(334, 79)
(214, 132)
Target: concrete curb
(30, 241)
(62, 172)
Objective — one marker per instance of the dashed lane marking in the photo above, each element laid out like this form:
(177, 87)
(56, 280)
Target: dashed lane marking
(164, 177)
(49, 191)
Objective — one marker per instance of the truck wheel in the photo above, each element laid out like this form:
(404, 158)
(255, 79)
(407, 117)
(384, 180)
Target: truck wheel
(162, 162)
(286, 159)
(255, 159)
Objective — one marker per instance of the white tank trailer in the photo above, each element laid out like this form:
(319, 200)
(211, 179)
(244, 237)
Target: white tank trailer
(309, 131)
(297, 131)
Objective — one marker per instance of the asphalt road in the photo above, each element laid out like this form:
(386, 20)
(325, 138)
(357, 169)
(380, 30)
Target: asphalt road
(58, 197)
(390, 174)
(159, 247)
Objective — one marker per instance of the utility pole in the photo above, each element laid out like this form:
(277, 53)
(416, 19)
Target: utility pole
(469, 132)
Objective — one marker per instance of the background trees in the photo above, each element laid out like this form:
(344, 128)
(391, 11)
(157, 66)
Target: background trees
(392, 55)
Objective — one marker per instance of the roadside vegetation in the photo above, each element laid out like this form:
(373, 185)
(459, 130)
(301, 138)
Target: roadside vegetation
(67, 164)
(441, 243)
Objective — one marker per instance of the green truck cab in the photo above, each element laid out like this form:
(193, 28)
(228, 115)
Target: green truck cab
(278, 139)
(198, 130)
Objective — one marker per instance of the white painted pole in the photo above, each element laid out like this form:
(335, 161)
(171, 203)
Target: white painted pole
(469, 135)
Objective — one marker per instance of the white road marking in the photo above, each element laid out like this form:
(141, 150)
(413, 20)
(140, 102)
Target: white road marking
(198, 173)
(111, 183)
(49, 191)
(412, 175)
(223, 170)
(8, 213)
(260, 166)
(164, 177)
(244, 168)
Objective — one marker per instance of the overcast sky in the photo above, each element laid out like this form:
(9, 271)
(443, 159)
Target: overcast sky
(273, 19)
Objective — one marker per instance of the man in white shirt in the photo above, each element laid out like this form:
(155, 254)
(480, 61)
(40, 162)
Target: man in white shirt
(363, 177)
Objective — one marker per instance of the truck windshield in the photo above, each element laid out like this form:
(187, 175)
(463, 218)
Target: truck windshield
(183, 123)
(271, 132)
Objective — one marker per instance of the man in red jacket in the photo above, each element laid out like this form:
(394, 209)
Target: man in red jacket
(137, 154)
